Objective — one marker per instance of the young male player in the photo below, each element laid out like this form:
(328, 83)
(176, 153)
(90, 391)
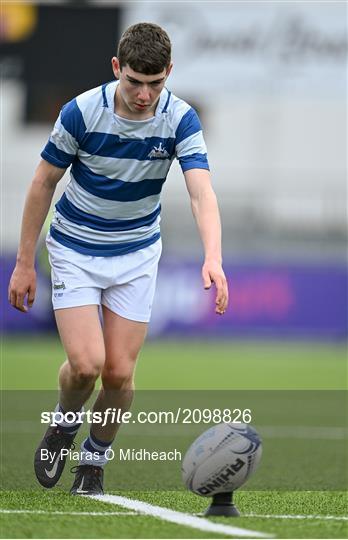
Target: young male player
(104, 242)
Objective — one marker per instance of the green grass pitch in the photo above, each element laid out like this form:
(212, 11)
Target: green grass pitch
(29, 364)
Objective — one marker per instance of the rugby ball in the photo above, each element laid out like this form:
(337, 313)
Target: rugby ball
(221, 459)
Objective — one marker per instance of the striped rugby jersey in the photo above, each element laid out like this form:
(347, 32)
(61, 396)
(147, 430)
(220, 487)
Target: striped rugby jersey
(111, 205)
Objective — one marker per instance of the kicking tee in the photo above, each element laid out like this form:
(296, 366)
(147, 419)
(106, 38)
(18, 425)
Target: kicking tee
(111, 205)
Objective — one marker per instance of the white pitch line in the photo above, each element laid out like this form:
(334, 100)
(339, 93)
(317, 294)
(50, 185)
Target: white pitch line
(274, 516)
(46, 512)
(185, 520)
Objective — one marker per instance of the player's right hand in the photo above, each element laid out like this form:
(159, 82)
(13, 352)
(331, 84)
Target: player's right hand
(22, 288)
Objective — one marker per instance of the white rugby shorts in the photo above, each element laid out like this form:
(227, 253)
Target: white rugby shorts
(124, 283)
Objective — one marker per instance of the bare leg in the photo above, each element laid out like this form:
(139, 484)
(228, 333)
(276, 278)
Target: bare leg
(123, 340)
(82, 337)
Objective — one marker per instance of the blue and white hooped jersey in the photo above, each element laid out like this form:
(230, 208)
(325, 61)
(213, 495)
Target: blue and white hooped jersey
(111, 205)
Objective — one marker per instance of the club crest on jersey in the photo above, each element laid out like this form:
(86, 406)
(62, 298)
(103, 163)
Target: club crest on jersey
(158, 152)
(58, 285)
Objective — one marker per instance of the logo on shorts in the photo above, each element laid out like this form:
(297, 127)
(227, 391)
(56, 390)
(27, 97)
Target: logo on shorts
(57, 285)
(158, 152)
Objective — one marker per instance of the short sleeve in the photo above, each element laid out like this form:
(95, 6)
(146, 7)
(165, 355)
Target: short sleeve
(190, 147)
(66, 136)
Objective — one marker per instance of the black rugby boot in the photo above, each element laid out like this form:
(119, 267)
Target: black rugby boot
(49, 461)
(88, 480)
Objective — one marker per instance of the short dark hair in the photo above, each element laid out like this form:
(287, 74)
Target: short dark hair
(146, 48)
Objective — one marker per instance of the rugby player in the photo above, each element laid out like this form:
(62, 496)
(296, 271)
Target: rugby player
(104, 243)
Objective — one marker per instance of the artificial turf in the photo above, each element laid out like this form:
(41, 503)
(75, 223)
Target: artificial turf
(313, 512)
(304, 505)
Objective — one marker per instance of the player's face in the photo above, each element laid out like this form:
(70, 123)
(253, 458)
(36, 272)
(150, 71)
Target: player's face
(139, 93)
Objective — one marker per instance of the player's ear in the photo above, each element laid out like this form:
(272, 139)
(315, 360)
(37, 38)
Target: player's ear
(116, 68)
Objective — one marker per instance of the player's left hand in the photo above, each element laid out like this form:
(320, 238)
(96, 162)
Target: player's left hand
(212, 272)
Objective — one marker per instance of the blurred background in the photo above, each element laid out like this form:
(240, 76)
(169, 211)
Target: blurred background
(269, 82)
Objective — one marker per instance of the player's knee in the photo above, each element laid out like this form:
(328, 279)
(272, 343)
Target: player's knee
(85, 375)
(119, 378)
(85, 369)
